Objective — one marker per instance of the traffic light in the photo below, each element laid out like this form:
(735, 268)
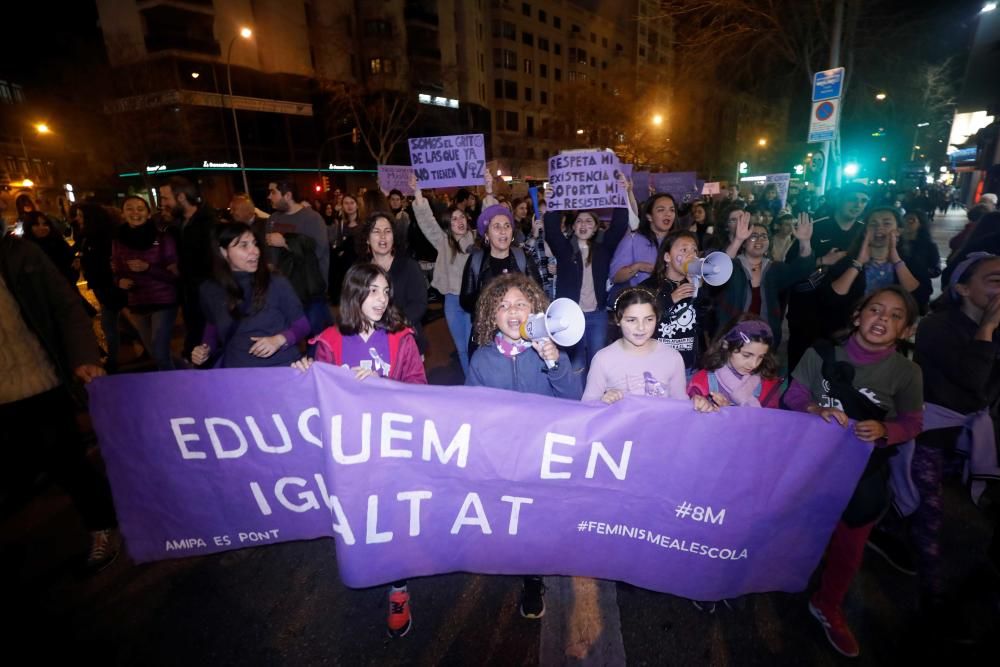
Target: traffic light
(326, 184)
(800, 169)
(744, 167)
(319, 188)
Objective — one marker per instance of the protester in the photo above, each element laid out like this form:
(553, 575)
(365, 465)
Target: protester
(863, 379)
(381, 247)
(253, 318)
(832, 237)
(144, 262)
(920, 254)
(782, 236)
(504, 360)
(985, 237)
(684, 311)
(343, 242)
(49, 345)
(196, 221)
(453, 247)
(536, 245)
(740, 368)
(701, 215)
(585, 262)
(958, 350)
(636, 254)
(38, 229)
(291, 217)
(756, 282)
(636, 364)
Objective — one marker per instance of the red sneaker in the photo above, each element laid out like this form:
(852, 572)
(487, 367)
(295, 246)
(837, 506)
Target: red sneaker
(837, 633)
(399, 620)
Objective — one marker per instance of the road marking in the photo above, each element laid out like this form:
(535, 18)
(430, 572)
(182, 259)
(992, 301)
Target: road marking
(581, 625)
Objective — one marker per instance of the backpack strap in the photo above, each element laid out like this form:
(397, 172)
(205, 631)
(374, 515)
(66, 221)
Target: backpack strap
(521, 259)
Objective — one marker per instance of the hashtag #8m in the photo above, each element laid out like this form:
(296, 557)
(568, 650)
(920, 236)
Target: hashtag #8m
(686, 510)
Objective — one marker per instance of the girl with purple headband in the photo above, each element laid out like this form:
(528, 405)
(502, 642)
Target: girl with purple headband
(958, 349)
(740, 368)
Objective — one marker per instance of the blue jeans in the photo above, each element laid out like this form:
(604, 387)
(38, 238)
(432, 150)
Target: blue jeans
(460, 327)
(156, 329)
(595, 337)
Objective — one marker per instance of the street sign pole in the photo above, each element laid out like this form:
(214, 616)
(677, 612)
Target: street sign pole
(838, 29)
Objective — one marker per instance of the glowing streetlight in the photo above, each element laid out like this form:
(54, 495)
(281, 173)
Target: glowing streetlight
(580, 131)
(762, 142)
(246, 33)
(884, 159)
(988, 7)
(880, 96)
(27, 183)
(851, 169)
(917, 147)
(195, 75)
(657, 120)
(42, 128)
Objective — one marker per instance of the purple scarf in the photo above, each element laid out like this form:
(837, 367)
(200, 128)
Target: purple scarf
(739, 389)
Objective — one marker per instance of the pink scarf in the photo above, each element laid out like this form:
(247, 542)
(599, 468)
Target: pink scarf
(739, 389)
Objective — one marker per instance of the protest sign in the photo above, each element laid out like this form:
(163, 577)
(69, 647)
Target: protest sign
(441, 162)
(782, 181)
(393, 177)
(640, 184)
(710, 188)
(683, 185)
(647, 491)
(585, 180)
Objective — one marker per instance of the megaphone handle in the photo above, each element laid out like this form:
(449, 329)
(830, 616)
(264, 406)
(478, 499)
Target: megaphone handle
(551, 364)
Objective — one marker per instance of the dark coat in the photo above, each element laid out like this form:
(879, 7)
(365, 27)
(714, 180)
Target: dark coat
(570, 259)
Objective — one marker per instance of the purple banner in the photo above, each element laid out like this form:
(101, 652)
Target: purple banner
(471, 479)
(582, 179)
(442, 162)
(640, 185)
(683, 185)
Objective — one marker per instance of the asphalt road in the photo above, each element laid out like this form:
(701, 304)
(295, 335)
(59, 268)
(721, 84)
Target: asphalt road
(285, 605)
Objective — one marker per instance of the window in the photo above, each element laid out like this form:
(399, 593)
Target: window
(556, 22)
(482, 63)
(604, 42)
(593, 38)
(604, 64)
(529, 125)
(558, 74)
(604, 85)
(526, 9)
(510, 90)
(5, 94)
(479, 31)
(543, 97)
(496, 28)
(542, 16)
(527, 95)
(500, 120)
(619, 48)
(498, 88)
(512, 121)
(575, 28)
(381, 66)
(482, 92)
(528, 38)
(375, 28)
(572, 54)
(543, 70)
(18, 93)
(593, 61)
(509, 31)
(557, 48)
(509, 59)
(581, 57)
(642, 51)
(498, 58)
(527, 66)
(543, 43)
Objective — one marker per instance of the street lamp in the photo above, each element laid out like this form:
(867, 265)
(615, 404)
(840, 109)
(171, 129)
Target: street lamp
(657, 120)
(851, 169)
(580, 131)
(880, 96)
(245, 33)
(988, 7)
(762, 142)
(42, 128)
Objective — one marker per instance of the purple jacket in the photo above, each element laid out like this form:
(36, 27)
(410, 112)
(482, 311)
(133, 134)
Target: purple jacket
(156, 285)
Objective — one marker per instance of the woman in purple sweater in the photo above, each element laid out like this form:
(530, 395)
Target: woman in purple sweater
(144, 262)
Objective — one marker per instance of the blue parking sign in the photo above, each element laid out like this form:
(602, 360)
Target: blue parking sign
(828, 84)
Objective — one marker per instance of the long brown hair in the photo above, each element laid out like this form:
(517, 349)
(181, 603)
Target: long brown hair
(718, 353)
(223, 236)
(661, 266)
(357, 282)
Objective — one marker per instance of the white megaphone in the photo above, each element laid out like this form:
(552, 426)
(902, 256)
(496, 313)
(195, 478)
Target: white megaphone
(562, 322)
(714, 270)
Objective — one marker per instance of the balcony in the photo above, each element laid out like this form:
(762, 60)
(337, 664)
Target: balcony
(420, 16)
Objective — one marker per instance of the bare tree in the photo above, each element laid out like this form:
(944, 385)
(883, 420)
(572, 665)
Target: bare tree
(383, 118)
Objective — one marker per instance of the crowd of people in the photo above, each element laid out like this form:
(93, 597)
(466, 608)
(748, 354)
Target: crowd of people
(849, 277)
